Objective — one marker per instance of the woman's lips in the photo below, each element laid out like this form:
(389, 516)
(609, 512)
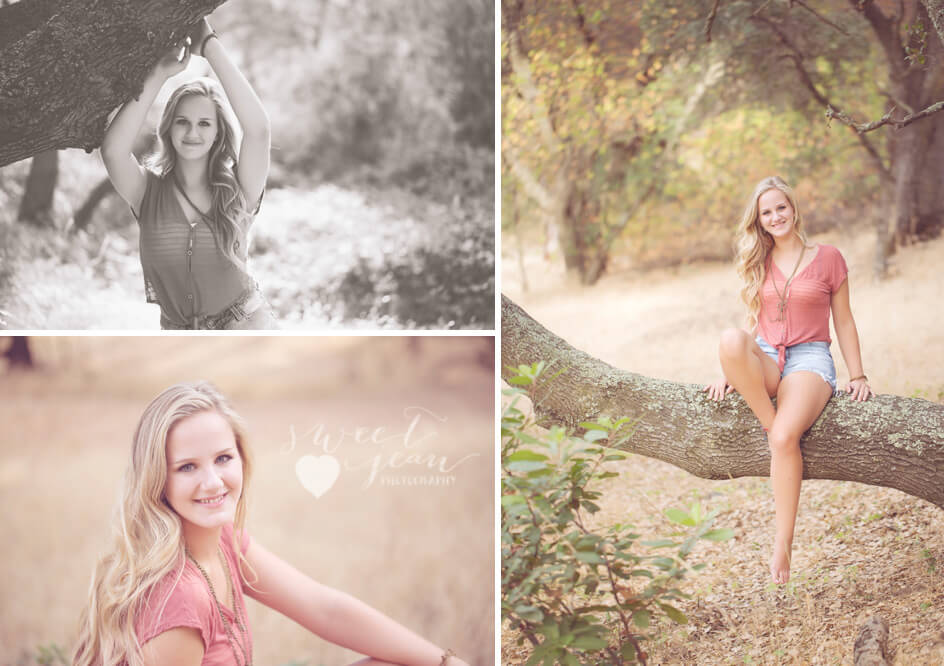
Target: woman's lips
(212, 501)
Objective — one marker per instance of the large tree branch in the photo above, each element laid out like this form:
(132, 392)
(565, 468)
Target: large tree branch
(887, 119)
(528, 89)
(64, 66)
(888, 441)
(532, 187)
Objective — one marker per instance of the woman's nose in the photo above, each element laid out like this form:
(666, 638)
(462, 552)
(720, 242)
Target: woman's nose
(212, 481)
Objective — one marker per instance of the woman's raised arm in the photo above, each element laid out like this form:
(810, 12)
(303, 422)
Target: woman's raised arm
(126, 174)
(253, 167)
(338, 617)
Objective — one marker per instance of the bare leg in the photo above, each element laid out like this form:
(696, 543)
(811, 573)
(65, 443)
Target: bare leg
(800, 400)
(750, 371)
(370, 661)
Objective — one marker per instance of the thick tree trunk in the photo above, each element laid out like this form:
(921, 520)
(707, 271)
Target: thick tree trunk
(65, 65)
(888, 441)
(82, 216)
(36, 204)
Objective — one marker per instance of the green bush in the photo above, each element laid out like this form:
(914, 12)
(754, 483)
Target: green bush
(568, 587)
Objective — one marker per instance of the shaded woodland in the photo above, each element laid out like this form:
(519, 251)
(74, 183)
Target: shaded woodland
(634, 133)
(382, 178)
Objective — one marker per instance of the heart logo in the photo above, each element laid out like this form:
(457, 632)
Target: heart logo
(317, 473)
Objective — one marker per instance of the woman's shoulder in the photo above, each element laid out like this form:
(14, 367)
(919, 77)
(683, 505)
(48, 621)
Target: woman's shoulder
(831, 257)
(828, 251)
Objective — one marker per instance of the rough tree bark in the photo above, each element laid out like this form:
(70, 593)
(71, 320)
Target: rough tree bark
(888, 441)
(66, 64)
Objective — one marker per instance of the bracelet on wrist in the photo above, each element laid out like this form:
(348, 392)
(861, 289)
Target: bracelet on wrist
(205, 40)
(860, 377)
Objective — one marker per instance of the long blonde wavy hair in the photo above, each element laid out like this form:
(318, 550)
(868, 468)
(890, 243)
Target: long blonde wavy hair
(229, 215)
(147, 536)
(753, 245)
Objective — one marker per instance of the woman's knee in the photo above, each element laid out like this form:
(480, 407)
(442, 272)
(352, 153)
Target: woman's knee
(735, 343)
(782, 440)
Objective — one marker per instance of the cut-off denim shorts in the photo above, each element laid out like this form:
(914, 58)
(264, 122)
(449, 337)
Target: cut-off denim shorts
(810, 356)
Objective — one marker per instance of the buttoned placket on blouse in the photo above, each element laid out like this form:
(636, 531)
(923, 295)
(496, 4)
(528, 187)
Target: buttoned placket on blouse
(193, 232)
(190, 239)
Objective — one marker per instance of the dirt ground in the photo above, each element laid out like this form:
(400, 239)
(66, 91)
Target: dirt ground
(859, 550)
(422, 554)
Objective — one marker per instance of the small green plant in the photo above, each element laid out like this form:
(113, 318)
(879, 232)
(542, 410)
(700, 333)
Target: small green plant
(568, 587)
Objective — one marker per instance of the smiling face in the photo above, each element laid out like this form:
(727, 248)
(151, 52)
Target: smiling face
(775, 213)
(193, 127)
(204, 471)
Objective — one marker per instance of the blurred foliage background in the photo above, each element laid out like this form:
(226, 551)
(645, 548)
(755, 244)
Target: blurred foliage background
(633, 133)
(380, 203)
(422, 554)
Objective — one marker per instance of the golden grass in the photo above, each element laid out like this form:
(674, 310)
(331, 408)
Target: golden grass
(423, 555)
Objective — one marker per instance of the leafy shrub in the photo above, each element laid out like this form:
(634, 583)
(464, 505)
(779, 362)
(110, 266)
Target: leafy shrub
(565, 585)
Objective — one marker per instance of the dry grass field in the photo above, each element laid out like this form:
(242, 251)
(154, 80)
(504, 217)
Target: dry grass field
(422, 554)
(859, 550)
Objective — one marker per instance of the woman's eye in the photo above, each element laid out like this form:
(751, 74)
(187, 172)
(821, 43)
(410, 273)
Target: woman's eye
(204, 123)
(225, 458)
(185, 468)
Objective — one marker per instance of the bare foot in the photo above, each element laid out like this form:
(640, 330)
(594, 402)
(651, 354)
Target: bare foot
(780, 563)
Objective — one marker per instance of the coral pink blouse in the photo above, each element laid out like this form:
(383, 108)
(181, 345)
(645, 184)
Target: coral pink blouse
(189, 604)
(808, 302)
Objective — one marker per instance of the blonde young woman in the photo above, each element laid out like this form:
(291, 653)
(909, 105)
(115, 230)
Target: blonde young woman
(170, 591)
(790, 288)
(196, 197)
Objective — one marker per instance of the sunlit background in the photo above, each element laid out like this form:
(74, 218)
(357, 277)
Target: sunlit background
(422, 554)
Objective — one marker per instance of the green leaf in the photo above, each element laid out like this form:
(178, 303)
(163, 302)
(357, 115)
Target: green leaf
(526, 466)
(594, 435)
(718, 535)
(589, 643)
(588, 557)
(674, 613)
(680, 517)
(660, 543)
(570, 660)
(664, 563)
(550, 629)
(512, 500)
(529, 613)
(519, 380)
(525, 454)
(641, 618)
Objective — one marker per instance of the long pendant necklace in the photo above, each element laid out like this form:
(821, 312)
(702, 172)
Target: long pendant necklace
(227, 629)
(782, 298)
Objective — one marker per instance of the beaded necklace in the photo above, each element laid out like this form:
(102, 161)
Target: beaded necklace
(228, 630)
(782, 298)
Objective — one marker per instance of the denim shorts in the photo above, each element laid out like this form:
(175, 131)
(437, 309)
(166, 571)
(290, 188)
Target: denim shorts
(810, 356)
